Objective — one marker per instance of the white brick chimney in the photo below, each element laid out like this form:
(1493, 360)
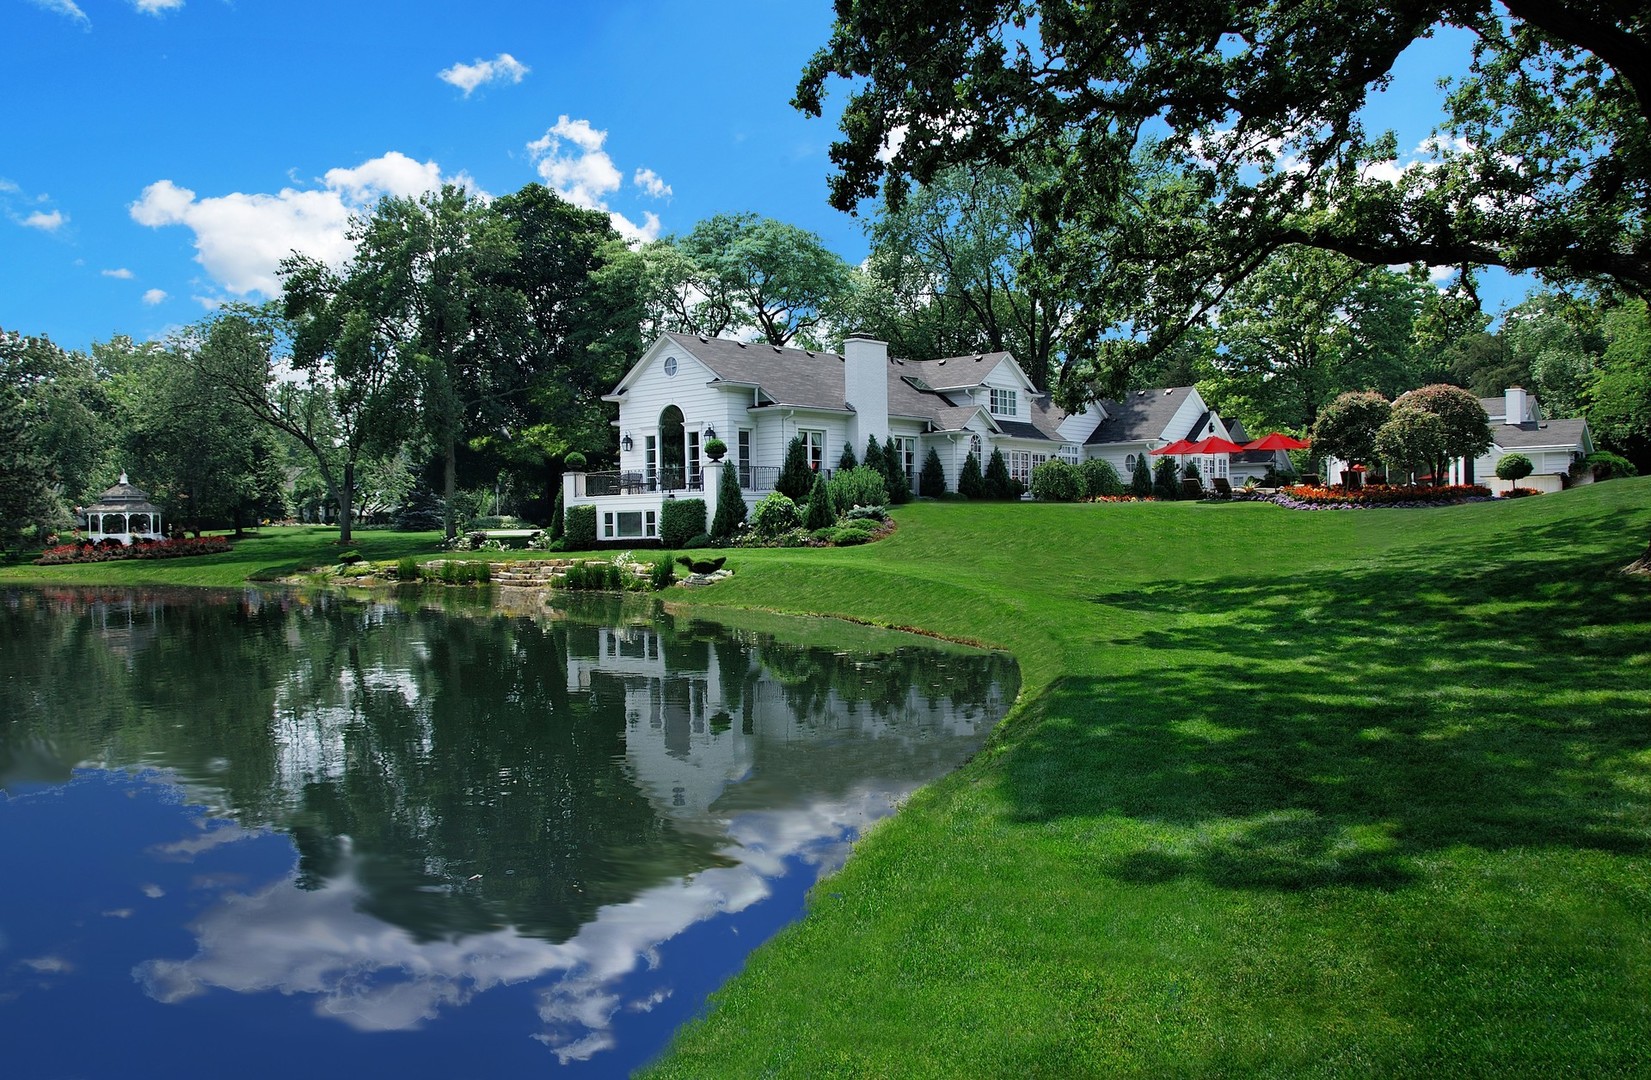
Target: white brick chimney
(1514, 404)
(866, 388)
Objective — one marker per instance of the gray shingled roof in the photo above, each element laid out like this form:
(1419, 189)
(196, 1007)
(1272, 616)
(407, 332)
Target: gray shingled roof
(1544, 433)
(1140, 416)
(955, 372)
(1020, 429)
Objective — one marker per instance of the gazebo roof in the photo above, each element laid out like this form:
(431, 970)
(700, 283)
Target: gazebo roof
(123, 498)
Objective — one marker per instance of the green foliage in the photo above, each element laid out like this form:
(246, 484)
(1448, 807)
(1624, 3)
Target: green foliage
(1464, 429)
(866, 513)
(731, 507)
(1189, 471)
(591, 575)
(774, 514)
(820, 511)
(999, 484)
(1414, 440)
(558, 523)
(1140, 480)
(873, 458)
(931, 482)
(662, 571)
(407, 569)
(1100, 479)
(1056, 481)
(970, 483)
(847, 460)
(859, 486)
(574, 462)
(796, 475)
(848, 533)
(774, 278)
(1166, 479)
(1619, 401)
(581, 528)
(1608, 466)
(680, 520)
(703, 540)
(1514, 468)
(1347, 427)
(894, 470)
(716, 449)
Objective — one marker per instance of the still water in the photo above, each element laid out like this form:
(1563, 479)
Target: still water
(273, 834)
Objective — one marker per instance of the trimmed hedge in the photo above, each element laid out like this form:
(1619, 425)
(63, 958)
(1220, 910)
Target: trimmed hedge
(1100, 479)
(680, 521)
(1056, 481)
(859, 486)
(581, 528)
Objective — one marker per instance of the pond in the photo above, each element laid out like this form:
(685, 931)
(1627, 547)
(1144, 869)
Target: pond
(281, 834)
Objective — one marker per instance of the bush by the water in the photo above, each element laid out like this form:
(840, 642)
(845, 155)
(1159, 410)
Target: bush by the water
(407, 569)
(114, 550)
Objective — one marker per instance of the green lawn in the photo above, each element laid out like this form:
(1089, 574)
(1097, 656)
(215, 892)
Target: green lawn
(1333, 793)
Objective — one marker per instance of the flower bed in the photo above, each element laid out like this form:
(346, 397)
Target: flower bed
(113, 550)
(1303, 497)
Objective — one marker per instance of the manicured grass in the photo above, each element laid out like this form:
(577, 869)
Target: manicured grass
(1336, 793)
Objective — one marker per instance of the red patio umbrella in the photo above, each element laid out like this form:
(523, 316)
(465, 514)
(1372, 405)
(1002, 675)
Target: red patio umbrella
(1278, 441)
(1215, 444)
(1179, 446)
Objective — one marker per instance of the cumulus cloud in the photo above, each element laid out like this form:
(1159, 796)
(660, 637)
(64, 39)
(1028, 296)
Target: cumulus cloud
(157, 7)
(241, 238)
(65, 7)
(154, 296)
(119, 272)
(649, 181)
(570, 159)
(46, 222)
(503, 68)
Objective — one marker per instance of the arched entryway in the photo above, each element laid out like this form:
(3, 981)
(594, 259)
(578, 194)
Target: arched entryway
(672, 451)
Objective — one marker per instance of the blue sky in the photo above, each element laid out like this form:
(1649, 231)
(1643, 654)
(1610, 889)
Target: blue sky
(158, 156)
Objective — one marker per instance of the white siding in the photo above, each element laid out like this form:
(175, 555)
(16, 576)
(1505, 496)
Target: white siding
(653, 392)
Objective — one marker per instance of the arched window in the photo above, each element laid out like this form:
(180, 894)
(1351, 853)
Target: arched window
(1129, 463)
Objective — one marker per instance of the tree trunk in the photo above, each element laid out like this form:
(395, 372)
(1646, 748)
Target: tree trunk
(346, 504)
(449, 483)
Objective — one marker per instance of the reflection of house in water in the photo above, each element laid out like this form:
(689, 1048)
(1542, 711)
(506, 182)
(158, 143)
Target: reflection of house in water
(704, 716)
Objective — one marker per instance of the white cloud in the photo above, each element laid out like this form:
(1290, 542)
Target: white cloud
(583, 175)
(65, 7)
(157, 7)
(154, 296)
(120, 272)
(650, 182)
(467, 77)
(46, 222)
(571, 160)
(240, 238)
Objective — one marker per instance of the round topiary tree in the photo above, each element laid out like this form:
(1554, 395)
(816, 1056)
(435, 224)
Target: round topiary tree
(1464, 427)
(574, 462)
(774, 514)
(1413, 439)
(1514, 468)
(1346, 428)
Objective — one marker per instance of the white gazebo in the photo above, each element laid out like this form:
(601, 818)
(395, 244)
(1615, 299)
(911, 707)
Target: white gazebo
(123, 513)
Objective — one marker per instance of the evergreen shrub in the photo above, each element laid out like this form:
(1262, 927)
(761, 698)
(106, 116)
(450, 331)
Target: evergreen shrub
(680, 520)
(581, 528)
(1100, 479)
(931, 482)
(820, 512)
(1056, 481)
(970, 483)
(730, 505)
(774, 514)
(859, 486)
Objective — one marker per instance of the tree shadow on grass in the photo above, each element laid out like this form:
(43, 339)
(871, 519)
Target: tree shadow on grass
(1317, 730)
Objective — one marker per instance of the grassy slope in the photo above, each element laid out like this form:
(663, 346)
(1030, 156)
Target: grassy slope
(1294, 793)
(1333, 793)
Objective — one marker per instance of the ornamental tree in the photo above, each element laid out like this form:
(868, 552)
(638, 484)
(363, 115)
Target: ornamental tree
(1414, 439)
(1347, 427)
(1466, 426)
(1514, 468)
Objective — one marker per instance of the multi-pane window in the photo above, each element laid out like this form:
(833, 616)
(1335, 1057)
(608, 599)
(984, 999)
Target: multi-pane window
(743, 458)
(630, 524)
(1003, 402)
(814, 443)
(906, 451)
(1021, 464)
(650, 458)
(693, 459)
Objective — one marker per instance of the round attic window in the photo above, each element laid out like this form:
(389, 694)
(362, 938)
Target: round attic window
(670, 365)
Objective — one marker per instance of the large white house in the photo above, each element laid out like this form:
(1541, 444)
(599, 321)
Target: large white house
(756, 398)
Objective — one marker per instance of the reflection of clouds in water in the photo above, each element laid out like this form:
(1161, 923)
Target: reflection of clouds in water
(377, 977)
(215, 832)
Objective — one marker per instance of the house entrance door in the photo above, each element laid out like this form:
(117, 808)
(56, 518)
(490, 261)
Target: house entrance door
(673, 450)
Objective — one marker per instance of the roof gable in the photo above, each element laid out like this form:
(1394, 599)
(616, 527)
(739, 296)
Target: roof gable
(1146, 415)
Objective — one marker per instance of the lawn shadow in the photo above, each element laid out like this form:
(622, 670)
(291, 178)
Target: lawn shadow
(1311, 730)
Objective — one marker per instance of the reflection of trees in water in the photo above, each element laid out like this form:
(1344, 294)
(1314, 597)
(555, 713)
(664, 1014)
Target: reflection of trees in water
(425, 749)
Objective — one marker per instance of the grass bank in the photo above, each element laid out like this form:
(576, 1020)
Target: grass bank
(1335, 793)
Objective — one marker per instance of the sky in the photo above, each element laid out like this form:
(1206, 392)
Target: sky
(159, 157)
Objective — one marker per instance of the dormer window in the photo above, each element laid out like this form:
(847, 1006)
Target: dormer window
(1003, 402)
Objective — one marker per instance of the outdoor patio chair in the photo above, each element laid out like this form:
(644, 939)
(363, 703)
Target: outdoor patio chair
(1223, 487)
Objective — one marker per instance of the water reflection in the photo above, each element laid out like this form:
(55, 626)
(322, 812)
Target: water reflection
(478, 802)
